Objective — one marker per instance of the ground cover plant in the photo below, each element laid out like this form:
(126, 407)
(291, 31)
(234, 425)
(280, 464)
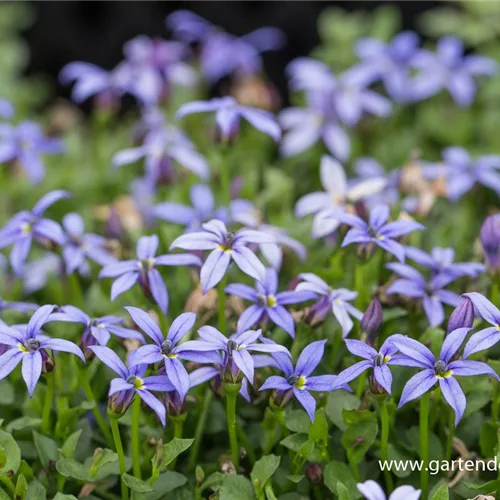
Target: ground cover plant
(219, 296)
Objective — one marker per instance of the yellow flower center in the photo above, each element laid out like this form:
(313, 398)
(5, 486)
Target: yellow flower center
(301, 383)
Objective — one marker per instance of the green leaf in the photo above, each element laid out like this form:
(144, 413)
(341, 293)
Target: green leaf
(215, 479)
(21, 488)
(3, 495)
(441, 493)
(485, 488)
(338, 401)
(396, 455)
(46, 449)
(23, 423)
(36, 491)
(358, 438)
(487, 439)
(342, 491)
(102, 457)
(299, 443)
(338, 472)
(166, 483)
(318, 430)
(62, 496)
(263, 470)
(10, 456)
(297, 421)
(236, 488)
(69, 447)
(172, 450)
(295, 478)
(136, 484)
(8, 393)
(71, 468)
(353, 416)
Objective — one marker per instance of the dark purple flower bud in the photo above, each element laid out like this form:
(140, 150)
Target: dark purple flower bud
(371, 320)
(318, 312)
(114, 227)
(87, 340)
(375, 388)
(314, 473)
(280, 399)
(490, 240)
(47, 362)
(175, 406)
(462, 316)
(119, 403)
(165, 172)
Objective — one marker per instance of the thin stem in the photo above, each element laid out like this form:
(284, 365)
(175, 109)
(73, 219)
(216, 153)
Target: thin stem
(89, 394)
(47, 405)
(384, 443)
(136, 452)
(337, 344)
(495, 403)
(451, 434)
(424, 444)
(121, 456)
(224, 175)
(200, 428)
(221, 297)
(178, 421)
(7, 481)
(361, 384)
(232, 391)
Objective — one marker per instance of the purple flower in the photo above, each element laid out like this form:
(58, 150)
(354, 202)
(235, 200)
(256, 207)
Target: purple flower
(390, 62)
(372, 320)
(462, 172)
(228, 114)
(372, 491)
(225, 247)
(160, 148)
(223, 54)
(376, 361)
(297, 381)
(22, 307)
(487, 337)
(245, 212)
(144, 269)
(331, 103)
(6, 109)
(268, 303)
(108, 86)
(169, 350)
(336, 301)
(97, 330)
(325, 205)
(490, 241)
(131, 381)
(29, 344)
(414, 286)
(203, 209)
(449, 69)
(236, 350)
(79, 246)
(378, 231)
(440, 261)
(26, 226)
(25, 143)
(442, 370)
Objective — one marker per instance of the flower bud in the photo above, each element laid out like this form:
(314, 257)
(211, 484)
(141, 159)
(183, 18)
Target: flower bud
(119, 403)
(314, 473)
(371, 320)
(490, 241)
(318, 312)
(174, 405)
(86, 341)
(462, 316)
(280, 399)
(47, 362)
(375, 388)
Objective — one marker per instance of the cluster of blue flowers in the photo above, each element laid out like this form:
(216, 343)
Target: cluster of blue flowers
(367, 211)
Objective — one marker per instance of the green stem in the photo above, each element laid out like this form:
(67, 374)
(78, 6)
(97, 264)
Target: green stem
(178, 421)
(424, 444)
(362, 284)
(61, 481)
(200, 428)
(121, 456)
(246, 444)
(361, 384)
(136, 452)
(221, 298)
(89, 394)
(495, 403)
(451, 434)
(224, 176)
(280, 417)
(7, 481)
(232, 391)
(47, 405)
(337, 344)
(384, 443)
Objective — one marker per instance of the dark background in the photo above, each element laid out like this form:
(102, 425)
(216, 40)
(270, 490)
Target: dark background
(95, 31)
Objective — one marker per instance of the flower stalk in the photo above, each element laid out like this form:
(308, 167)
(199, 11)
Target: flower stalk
(232, 391)
(424, 443)
(136, 453)
(119, 450)
(384, 441)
